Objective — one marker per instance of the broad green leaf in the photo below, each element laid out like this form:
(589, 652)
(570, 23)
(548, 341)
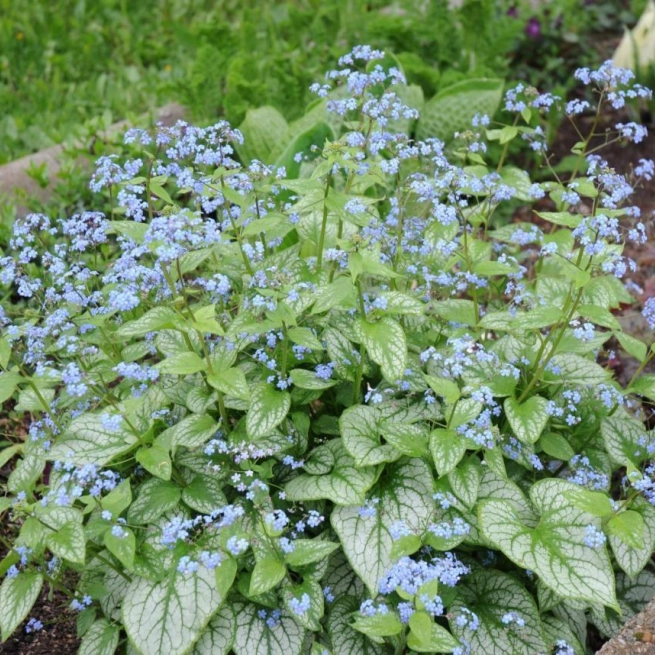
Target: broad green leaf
(576, 369)
(566, 219)
(361, 436)
(340, 293)
(632, 560)
(386, 345)
(265, 133)
(447, 448)
(155, 319)
(122, 548)
(405, 493)
(86, 441)
(305, 337)
(592, 502)
(118, 499)
(528, 419)
(268, 408)
(556, 446)
(491, 594)
(156, 460)
(267, 573)
(204, 494)
(316, 135)
(628, 526)
(311, 619)
(8, 384)
(631, 345)
(406, 438)
(17, 596)
(644, 386)
(156, 497)
(68, 542)
(344, 484)
(439, 640)
(307, 551)
(621, 434)
(255, 637)
(379, 625)
(556, 629)
(456, 310)
(555, 549)
(182, 364)
(345, 639)
(192, 431)
(218, 637)
(464, 480)
(446, 389)
(232, 382)
(26, 472)
(169, 616)
(453, 109)
(100, 639)
(305, 379)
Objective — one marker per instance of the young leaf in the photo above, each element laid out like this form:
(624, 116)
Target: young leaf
(100, 639)
(266, 574)
(633, 559)
(528, 419)
(628, 527)
(68, 542)
(156, 497)
(344, 638)
(182, 364)
(122, 548)
(255, 637)
(447, 448)
(231, 382)
(386, 344)
(191, 432)
(361, 436)
(156, 461)
(307, 551)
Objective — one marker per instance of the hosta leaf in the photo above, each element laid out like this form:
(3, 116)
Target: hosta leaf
(100, 639)
(255, 637)
(86, 441)
(68, 542)
(405, 493)
(527, 419)
(491, 594)
(345, 639)
(386, 345)
(265, 133)
(218, 637)
(169, 616)
(17, 596)
(361, 436)
(632, 560)
(344, 484)
(268, 409)
(555, 549)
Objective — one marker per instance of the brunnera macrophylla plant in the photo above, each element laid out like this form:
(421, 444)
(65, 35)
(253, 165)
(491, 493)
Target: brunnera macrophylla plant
(339, 408)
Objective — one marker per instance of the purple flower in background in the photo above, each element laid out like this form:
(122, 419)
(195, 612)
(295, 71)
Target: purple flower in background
(533, 28)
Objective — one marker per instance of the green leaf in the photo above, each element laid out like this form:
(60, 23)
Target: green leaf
(345, 639)
(631, 345)
(265, 133)
(556, 446)
(360, 432)
(491, 594)
(305, 337)
(268, 408)
(621, 434)
(633, 559)
(182, 364)
(231, 382)
(156, 497)
(118, 499)
(565, 219)
(218, 638)
(308, 551)
(528, 419)
(456, 310)
(343, 483)
(453, 109)
(592, 502)
(204, 494)
(191, 432)
(464, 480)
(311, 620)
(446, 389)
(379, 625)
(254, 637)
(17, 596)
(339, 293)
(156, 461)
(439, 640)
(68, 542)
(5, 352)
(316, 135)
(405, 493)
(304, 379)
(8, 384)
(628, 527)
(86, 441)
(406, 438)
(644, 386)
(576, 369)
(447, 448)
(169, 616)
(153, 320)
(100, 639)
(122, 548)
(555, 548)
(386, 345)
(267, 573)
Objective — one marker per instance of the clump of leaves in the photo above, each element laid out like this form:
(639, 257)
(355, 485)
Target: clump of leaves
(328, 406)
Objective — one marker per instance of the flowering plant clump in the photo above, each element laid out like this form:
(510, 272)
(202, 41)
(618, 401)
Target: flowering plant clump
(335, 406)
